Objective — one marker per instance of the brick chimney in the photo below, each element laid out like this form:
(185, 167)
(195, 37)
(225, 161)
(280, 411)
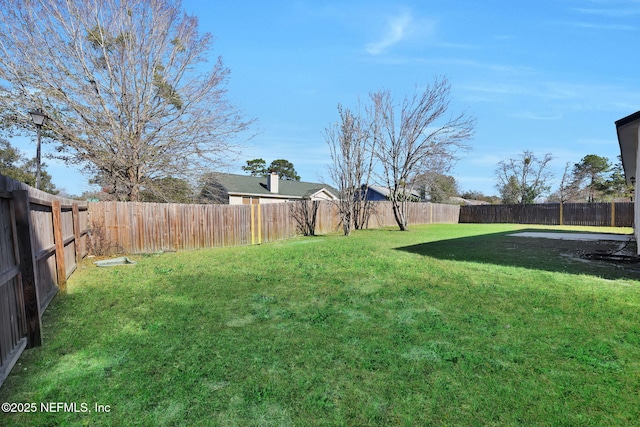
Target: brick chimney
(272, 182)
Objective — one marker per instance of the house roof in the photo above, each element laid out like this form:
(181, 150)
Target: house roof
(627, 129)
(468, 202)
(386, 191)
(257, 186)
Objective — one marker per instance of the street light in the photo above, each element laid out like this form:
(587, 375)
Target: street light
(39, 118)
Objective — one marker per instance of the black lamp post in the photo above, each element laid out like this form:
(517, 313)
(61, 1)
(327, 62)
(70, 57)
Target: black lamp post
(39, 118)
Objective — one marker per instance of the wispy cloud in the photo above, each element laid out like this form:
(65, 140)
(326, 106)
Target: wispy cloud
(528, 115)
(598, 26)
(483, 65)
(610, 10)
(396, 31)
(494, 91)
(597, 142)
(611, 13)
(488, 160)
(566, 96)
(506, 69)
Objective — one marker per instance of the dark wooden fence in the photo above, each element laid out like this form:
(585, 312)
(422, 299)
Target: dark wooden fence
(123, 227)
(619, 214)
(42, 238)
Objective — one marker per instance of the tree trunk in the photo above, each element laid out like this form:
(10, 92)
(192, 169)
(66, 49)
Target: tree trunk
(134, 194)
(346, 224)
(400, 216)
(134, 175)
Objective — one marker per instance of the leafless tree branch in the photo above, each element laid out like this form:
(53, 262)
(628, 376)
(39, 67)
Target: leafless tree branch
(126, 84)
(415, 137)
(352, 160)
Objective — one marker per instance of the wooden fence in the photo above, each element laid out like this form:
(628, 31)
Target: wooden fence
(619, 214)
(42, 238)
(123, 227)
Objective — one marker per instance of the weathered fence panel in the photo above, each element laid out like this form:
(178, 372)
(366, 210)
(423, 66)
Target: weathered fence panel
(13, 326)
(274, 222)
(417, 213)
(151, 227)
(587, 214)
(623, 214)
(42, 239)
(597, 214)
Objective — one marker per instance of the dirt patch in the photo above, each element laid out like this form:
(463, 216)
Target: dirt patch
(600, 254)
(601, 247)
(550, 253)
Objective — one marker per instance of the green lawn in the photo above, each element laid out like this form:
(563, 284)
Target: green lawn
(442, 325)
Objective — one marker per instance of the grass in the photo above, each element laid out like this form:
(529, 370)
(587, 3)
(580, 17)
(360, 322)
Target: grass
(442, 325)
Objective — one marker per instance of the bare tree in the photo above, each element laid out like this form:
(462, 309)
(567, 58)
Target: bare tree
(305, 214)
(352, 162)
(416, 137)
(568, 190)
(125, 83)
(526, 177)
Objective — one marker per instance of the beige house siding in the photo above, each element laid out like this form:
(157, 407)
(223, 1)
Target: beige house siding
(322, 195)
(245, 199)
(264, 200)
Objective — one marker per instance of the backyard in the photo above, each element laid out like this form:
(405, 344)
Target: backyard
(457, 324)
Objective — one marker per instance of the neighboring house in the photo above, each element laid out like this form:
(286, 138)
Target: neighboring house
(377, 193)
(241, 189)
(628, 129)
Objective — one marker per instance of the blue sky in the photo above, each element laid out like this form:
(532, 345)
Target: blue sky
(546, 76)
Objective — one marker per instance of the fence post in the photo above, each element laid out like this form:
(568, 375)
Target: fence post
(22, 212)
(57, 237)
(251, 226)
(613, 214)
(76, 231)
(561, 213)
(259, 226)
